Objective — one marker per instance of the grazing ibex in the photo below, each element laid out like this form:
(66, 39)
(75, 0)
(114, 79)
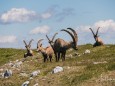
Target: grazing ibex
(46, 52)
(98, 42)
(60, 46)
(29, 51)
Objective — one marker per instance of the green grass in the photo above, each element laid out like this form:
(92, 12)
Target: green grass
(10, 54)
(81, 71)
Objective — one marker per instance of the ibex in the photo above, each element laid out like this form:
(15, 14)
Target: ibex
(46, 52)
(98, 42)
(60, 46)
(29, 51)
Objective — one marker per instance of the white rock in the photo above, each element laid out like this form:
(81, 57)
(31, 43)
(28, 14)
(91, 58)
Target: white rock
(10, 72)
(10, 64)
(1, 75)
(36, 84)
(17, 64)
(26, 83)
(17, 60)
(31, 78)
(57, 69)
(70, 55)
(35, 73)
(100, 62)
(87, 51)
(24, 74)
(70, 49)
(7, 73)
(1, 69)
(77, 54)
(68, 67)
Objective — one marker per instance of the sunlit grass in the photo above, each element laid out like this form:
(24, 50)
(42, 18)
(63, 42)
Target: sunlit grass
(77, 70)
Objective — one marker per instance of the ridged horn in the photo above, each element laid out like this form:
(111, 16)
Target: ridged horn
(48, 38)
(30, 42)
(25, 42)
(50, 41)
(39, 41)
(75, 34)
(70, 35)
(97, 31)
(92, 32)
(54, 37)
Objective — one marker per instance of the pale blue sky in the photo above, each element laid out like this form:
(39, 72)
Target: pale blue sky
(26, 19)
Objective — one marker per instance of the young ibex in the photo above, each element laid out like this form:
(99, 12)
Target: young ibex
(29, 51)
(98, 42)
(60, 46)
(46, 52)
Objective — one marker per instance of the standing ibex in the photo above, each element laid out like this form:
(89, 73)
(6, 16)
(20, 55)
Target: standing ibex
(29, 51)
(60, 46)
(46, 52)
(97, 39)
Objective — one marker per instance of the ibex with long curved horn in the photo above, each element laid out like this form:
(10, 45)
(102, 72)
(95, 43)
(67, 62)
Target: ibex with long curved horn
(46, 52)
(60, 46)
(98, 42)
(29, 51)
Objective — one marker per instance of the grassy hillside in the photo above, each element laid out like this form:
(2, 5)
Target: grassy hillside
(94, 69)
(10, 54)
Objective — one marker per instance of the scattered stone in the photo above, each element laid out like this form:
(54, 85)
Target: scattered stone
(17, 64)
(77, 54)
(24, 74)
(1, 69)
(100, 62)
(26, 83)
(87, 51)
(10, 64)
(70, 55)
(24, 59)
(57, 69)
(17, 60)
(66, 67)
(35, 73)
(7, 73)
(36, 84)
(31, 78)
(1, 75)
(70, 49)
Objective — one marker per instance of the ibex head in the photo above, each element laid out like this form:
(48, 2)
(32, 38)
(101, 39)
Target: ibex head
(74, 37)
(51, 41)
(29, 51)
(29, 45)
(39, 45)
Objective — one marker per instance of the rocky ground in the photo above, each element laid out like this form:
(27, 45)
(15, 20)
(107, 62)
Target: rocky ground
(86, 67)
